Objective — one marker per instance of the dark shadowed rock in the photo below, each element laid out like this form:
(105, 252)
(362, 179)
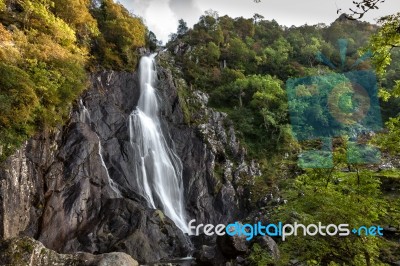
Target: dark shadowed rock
(234, 246)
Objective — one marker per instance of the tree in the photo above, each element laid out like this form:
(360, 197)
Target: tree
(152, 41)
(269, 99)
(37, 15)
(77, 14)
(383, 42)
(42, 70)
(182, 27)
(237, 53)
(121, 34)
(277, 56)
(362, 7)
(331, 196)
(212, 53)
(244, 27)
(257, 17)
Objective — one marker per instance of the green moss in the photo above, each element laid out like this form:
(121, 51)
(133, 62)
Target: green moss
(219, 171)
(43, 252)
(183, 95)
(28, 247)
(188, 106)
(260, 257)
(219, 175)
(160, 214)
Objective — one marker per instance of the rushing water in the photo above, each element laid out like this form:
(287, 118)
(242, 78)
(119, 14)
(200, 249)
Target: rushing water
(110, 181)
(158, 168)
(84, 117)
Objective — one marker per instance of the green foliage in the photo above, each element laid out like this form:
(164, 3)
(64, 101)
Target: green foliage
(38, 16)
(333, 197)
(238, 52)
(257, 106)
(2, 5)
(77, 14)
(243, 64)
(223, 50)
(42, 72)
(213, 53)
(18, 102)
(259, 257)
(383, 44)
(389, 141)
(121, 35)
(385, 40)
(277, 55)
(182, 27)
(44, 47)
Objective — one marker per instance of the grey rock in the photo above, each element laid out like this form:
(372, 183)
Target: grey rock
(267, 243)
(27, 251)
(22, 187)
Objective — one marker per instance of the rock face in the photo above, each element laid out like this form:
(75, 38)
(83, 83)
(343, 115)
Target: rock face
(27, 251)
(74, 190)
(23, 186)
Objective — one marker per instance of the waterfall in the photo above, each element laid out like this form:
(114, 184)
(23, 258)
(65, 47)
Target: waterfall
(110, 181)
(158, 168)
(84, 117)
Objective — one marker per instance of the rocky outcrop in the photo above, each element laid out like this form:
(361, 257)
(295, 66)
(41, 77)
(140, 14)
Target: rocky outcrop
(27, 251)
(22, 186)
(75, 191)
(216, 172)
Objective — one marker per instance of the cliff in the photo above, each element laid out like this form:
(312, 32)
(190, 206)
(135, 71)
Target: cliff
(74, 189)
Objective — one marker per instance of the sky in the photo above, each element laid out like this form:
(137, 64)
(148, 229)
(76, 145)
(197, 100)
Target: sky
(161, 16)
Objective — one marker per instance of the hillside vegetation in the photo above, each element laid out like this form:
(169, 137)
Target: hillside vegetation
(46, 50)
(244, 65)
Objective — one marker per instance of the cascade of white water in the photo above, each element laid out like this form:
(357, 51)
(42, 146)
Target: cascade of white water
(84, 117)
(159, 169)
(110, 181)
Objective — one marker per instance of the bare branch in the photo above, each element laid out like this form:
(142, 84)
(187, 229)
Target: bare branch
(362, 7)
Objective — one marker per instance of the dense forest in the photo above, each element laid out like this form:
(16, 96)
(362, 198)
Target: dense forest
(49, 48)
(244, 65)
